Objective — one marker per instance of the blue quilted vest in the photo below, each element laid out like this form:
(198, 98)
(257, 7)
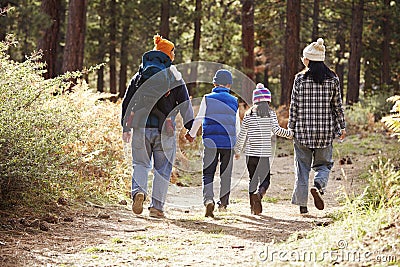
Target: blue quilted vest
(219, 124)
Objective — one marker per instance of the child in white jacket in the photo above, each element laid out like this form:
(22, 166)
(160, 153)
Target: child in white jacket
(255, 134)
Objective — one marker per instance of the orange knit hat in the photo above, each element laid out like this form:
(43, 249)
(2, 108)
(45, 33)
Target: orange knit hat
(163, 45)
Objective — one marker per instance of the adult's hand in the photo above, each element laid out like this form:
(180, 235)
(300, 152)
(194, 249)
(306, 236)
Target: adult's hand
(126, 136)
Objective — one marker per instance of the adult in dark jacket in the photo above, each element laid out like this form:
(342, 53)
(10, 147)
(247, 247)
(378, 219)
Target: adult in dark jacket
(151, 143)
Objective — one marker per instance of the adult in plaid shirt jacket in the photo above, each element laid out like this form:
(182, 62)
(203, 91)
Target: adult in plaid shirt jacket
(316, 117)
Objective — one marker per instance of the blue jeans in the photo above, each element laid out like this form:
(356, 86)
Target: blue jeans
(210, 161)
(149, 145)
(320, 160)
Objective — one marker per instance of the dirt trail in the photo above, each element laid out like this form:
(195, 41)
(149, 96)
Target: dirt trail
(113, 236)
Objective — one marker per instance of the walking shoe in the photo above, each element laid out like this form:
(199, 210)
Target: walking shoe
(222, 208)
(251, 203)
(257, 206)
(155, 213)
(319, 187)
(210, 208)
(303, 210)
(137, 205)
(318, 201)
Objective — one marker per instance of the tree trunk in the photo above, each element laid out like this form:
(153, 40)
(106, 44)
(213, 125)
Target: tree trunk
(315, 29)
(75, 36)
(339, 68)
(248, 44)
(353, 87)
(113, 43)
(101, 49)
(124, 52)
(291, 51)
(266, 76)
(100, 79)
(164, 26)
(49, 42)
(386, 44)
(196, 47)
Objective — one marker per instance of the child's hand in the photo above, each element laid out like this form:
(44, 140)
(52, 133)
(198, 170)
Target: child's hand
(189, 138)
(291, 134)
(237, 156)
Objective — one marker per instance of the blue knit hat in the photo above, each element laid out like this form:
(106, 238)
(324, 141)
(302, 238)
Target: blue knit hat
(223, 77)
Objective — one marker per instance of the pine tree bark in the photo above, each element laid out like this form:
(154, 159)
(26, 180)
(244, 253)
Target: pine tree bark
(248, 45)
(196, 47)
(48, 44)
(101, 49)
(75, 36)
(353, 87)
(292, 42)
(112, 48)
(164, 26)
(124, 52)
(386, 28)
(315, 29)
(339, 67)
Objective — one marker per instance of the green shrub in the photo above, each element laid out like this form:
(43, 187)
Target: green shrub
(392, 121)
(383, 184)
(362, 116)
(54, 144)
(34, 127)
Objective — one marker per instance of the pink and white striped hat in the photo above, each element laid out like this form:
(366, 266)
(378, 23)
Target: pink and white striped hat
(261, 94)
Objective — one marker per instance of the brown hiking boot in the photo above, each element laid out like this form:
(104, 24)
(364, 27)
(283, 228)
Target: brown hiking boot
(155, 213)
(318, 201)
(137, 205)
(210, 208)
(251, 204)
(257, 206)
(222, 208)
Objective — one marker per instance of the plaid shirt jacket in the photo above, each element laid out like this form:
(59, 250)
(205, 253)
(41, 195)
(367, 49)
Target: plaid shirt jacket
(316, 113)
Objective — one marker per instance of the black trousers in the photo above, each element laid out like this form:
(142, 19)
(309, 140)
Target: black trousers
(259, 172)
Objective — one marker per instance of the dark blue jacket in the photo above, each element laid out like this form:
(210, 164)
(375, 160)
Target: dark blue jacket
(176, 101)
(219, 124)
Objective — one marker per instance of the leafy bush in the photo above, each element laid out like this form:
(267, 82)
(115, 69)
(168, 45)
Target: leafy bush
(383, 185)
(362, 116)
(54, 144)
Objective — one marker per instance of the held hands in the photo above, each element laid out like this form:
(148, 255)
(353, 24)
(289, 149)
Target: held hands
(342, 135)
(189, 138)
(126, 136)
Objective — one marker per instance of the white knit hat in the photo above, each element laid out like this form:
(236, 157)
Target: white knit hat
(315, 51)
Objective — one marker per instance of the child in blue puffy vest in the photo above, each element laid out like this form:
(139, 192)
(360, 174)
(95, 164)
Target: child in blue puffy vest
(219, 117)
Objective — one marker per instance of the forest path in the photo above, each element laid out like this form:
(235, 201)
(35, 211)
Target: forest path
(114, 236)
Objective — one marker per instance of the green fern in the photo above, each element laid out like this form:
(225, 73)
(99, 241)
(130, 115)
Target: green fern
(392, 121)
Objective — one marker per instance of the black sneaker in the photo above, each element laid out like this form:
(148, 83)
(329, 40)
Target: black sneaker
(319, 187)
(303, 210)
(210, 208)
(316, 194)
